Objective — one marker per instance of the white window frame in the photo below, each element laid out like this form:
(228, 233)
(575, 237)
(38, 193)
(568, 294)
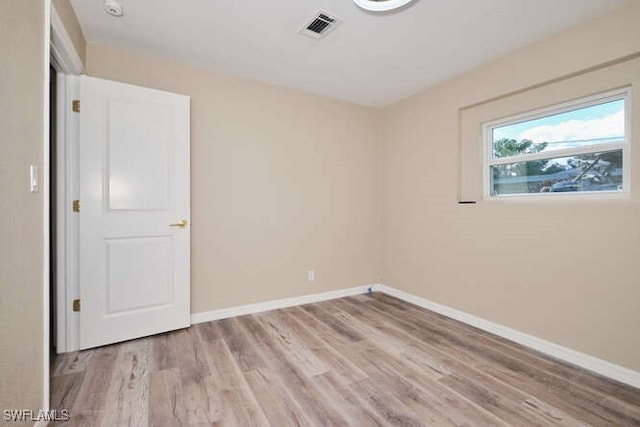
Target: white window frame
(576, 104)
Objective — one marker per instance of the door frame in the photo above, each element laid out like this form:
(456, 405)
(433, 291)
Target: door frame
(67, 224)
(69, 66)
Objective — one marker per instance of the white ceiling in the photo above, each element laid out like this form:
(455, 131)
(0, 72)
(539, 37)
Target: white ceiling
(370, 59)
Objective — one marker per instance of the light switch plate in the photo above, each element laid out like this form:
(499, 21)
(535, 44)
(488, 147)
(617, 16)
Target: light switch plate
(34, 179)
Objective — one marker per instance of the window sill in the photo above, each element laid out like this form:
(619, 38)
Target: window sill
(589, 196)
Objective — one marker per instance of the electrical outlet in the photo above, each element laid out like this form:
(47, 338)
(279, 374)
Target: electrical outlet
(312, 276)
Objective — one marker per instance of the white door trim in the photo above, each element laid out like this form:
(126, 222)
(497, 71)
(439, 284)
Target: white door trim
(64, 56)
(66, 61)
(46, 226)
(68, 125)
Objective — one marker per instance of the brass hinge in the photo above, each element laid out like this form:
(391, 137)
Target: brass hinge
(76, 205)
(76, 305)
(75, 105)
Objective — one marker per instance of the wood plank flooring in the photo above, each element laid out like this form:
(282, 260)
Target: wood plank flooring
(359, 361)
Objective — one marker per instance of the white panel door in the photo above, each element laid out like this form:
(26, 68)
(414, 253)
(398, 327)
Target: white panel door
(134, 214)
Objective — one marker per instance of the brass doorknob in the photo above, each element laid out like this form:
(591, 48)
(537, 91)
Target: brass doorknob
(182, 224)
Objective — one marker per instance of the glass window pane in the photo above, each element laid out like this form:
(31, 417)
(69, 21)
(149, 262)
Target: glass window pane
(584, 172)
(597, 124)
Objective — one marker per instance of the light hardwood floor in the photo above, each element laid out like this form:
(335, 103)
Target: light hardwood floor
(357, 361)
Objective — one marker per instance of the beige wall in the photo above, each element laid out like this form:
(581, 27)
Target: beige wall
(566, 271)
(282, 183)
(21, 222)
(71, 24)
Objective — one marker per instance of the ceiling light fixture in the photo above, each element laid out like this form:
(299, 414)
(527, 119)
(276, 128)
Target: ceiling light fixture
(381, 5)
(113, 8)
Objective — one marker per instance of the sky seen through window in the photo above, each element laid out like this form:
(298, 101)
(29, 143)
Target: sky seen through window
(585, 126)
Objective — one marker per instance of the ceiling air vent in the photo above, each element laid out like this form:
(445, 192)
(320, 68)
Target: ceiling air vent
(320, 25)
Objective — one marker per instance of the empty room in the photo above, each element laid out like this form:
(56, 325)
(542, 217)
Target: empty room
(320, 213)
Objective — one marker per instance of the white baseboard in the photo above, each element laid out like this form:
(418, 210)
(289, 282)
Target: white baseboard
(225, 313)
(599, 366)
(590, 363)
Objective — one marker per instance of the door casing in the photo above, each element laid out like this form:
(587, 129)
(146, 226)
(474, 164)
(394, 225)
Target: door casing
(68, 289)
(60, 53)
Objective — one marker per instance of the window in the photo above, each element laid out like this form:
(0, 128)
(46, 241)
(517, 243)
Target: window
(578, 147)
